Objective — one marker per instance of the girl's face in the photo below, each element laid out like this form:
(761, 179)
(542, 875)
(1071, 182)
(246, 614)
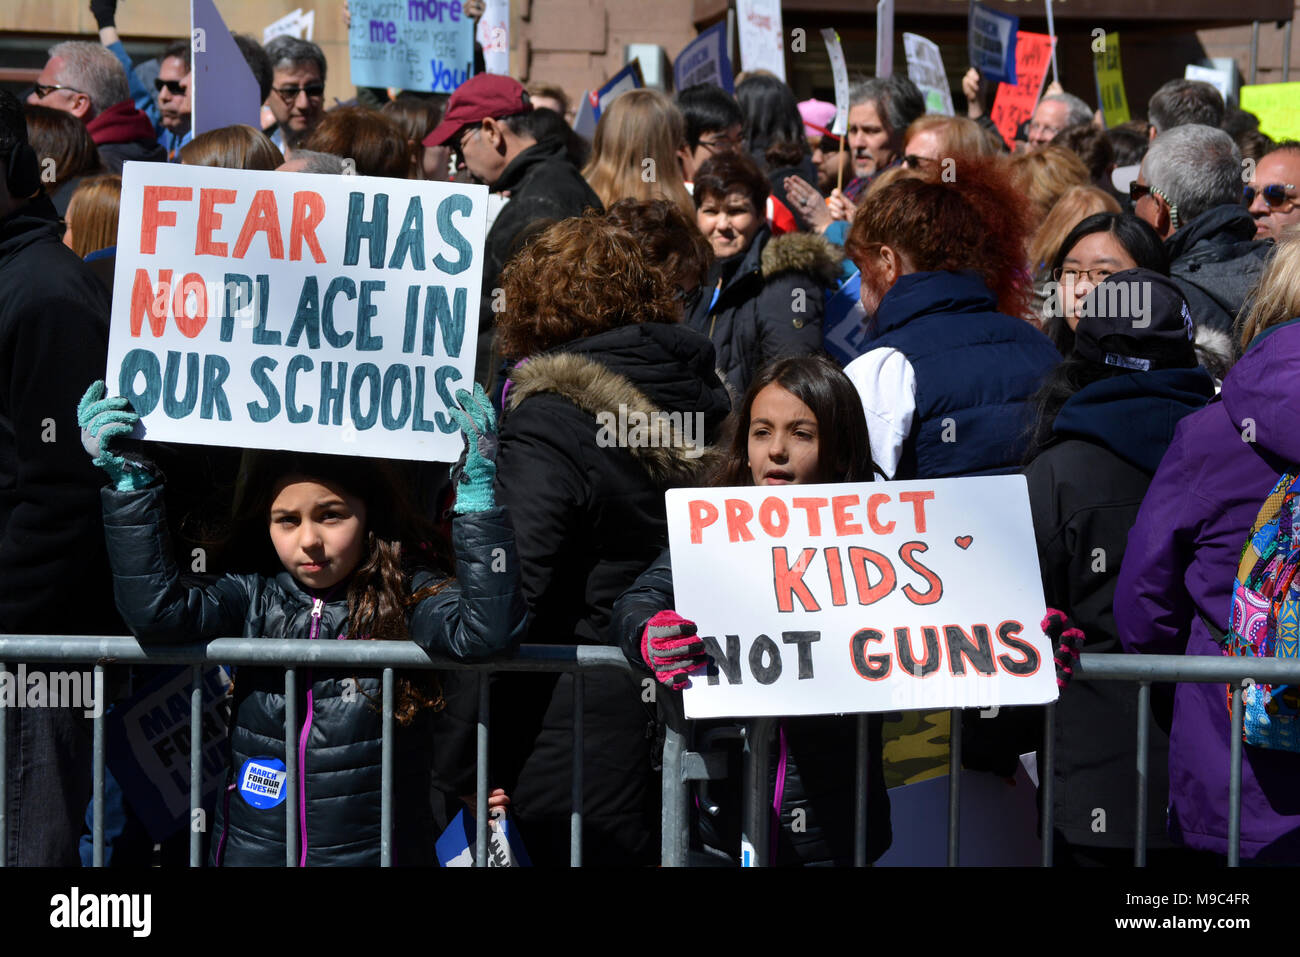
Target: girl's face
(1093, 258)
(319, 531)
(783, 440)
(729, 224)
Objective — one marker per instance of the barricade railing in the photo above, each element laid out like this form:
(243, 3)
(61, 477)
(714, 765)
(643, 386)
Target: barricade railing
(293, 655)
(1144, 670)
(681, 766)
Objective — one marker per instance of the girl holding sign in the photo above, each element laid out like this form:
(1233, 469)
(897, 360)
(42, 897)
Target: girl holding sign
(331, 551)
(800, 423)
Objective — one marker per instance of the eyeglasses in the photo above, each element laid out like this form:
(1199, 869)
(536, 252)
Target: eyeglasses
(720, 143)
(1071, 276)
(1275, 194)
(42, 91)
(1043, 128)
(174, 87)
(912, 161)
(314, 91)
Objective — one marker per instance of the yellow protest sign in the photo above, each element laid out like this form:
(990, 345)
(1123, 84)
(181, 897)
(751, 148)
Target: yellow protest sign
(1110, 80)
(1278, 107)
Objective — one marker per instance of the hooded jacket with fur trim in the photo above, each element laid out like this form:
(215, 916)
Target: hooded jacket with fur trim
(585, 483)
(768, 303)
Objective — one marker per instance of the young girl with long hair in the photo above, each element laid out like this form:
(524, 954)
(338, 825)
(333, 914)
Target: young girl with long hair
(801, 422)
(326, 547)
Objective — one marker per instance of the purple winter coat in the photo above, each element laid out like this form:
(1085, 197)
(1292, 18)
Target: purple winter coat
(1181, 558)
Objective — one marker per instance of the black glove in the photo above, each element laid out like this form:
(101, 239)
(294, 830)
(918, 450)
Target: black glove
(104, 12)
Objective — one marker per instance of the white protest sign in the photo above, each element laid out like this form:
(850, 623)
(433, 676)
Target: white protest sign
(295, 24)
(762, 42)
(885, 39)
(821, 599)
(925, 69)
(1221, 80)
(840, 70)
(493, 35)
(295, 311)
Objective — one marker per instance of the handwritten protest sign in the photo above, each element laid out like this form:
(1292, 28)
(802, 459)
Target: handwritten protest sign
(925, 69)
(425, 45)
(840, 71)
(224, 90)
(493, 35)
(1015, 103)
(762, 42)
(820, 599)
(1278, 107)
(1109, 74)
(318, 313)
(991, 42)
(705, 60)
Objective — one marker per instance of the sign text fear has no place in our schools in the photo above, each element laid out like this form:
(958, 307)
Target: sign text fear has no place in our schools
(820, 599)
(287, 310)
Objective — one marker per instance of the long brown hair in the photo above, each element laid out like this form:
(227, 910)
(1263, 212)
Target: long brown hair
(843, 448)
(59, 136)
(634, 152)
(92, 214)
(373, 141)
(400, 541)
(232, 147)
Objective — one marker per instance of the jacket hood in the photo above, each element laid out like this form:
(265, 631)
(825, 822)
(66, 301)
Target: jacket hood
(121, 123)
(1134, 415)
(647, 368)
(922, 293)
(1260, 394)
(1224, 225)
(1215, 351)
(34, 222)
(802, 252)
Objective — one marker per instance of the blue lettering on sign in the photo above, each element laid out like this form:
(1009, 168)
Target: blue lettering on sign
(419, 11)
(445, 78)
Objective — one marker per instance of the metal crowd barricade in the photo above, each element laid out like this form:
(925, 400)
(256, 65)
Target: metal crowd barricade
(293, 655)
(1144, 670)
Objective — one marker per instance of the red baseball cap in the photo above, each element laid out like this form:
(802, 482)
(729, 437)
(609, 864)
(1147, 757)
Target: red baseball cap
(480, 97)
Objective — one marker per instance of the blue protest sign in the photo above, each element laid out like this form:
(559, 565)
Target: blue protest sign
(455, 848)
(705, 60)
(628, 78)
(224, 90)
(844, 334)
(425, 45)
(992, 43)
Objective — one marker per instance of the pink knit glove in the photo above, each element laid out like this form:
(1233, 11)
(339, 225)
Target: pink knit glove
(1066, 640)
(671, 649)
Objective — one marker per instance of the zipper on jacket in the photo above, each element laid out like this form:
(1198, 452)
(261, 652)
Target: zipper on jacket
(317, 606)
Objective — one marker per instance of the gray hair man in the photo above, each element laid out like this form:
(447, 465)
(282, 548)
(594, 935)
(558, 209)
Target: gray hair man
(880, 111)
(87, 80)
(1189, 190)
(297, 89)
(1182, 102)
(1054, 113)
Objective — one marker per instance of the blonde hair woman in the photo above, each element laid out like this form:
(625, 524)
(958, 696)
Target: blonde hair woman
(92, 215)
(634, 153)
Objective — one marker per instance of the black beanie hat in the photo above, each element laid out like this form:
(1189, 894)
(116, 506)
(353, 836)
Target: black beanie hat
(1136, 319)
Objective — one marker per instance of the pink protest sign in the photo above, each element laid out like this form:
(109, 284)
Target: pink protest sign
(1015, 104)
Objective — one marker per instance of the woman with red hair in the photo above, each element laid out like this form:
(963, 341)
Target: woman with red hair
(949, 368)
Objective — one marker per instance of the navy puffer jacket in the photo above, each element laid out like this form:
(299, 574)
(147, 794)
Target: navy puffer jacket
(479, 614)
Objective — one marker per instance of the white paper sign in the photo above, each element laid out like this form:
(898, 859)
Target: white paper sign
(840, 70)
(294, 311)
(885, 39)
(494, 36)
(1221, 80)
(821, 599)
(296, 24)
(925, 69)
(762, 41)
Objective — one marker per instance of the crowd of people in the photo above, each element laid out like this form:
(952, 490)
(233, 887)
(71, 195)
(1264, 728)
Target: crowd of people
(687, 260)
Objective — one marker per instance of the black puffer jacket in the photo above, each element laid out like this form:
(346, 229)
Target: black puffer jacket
(770, 305)
(340, 738)
(1216, 261)
(589, 517)
(819, 755)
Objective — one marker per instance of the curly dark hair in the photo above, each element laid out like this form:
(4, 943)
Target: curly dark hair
(977, 222)
(728, 172)
(666, 236)
(579, 277)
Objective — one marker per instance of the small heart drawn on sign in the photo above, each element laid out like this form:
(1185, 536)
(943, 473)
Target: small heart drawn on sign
(963, 541)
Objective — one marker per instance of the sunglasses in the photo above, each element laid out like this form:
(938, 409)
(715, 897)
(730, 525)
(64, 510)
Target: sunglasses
(42, 91)
(289, 94)
(174, 87)
(1274, 193)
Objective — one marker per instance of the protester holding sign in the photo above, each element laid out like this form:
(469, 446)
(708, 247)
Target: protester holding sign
(880, 111)
(800, 423)
(354, 561)
(616, 402)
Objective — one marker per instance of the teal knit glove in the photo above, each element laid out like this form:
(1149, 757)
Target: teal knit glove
(477, 469)
(103, 423)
